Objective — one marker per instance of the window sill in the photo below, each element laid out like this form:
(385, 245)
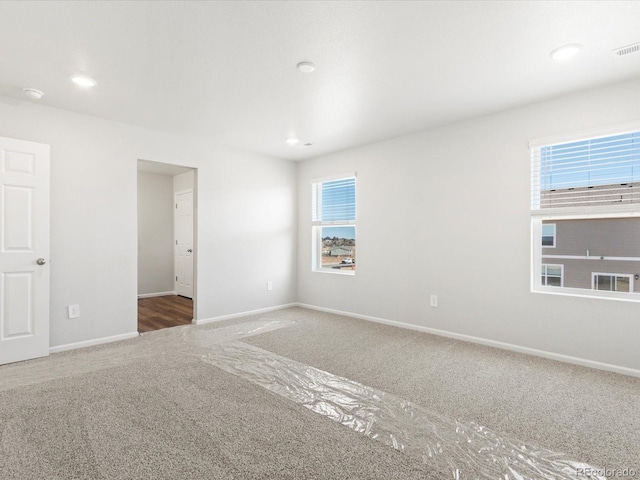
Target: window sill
(336, 271)
(584, 293)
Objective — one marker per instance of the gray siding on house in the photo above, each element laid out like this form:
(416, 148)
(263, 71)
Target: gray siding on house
(577, 273)
(610, 237)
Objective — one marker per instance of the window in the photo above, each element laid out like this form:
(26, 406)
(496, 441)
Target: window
(548, 235)
(586, 192)
(552, 275)
(612, 282)
(334, 224)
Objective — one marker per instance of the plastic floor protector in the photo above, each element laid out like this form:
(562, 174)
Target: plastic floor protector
(207, 337)
(190, 339)
(464, 450)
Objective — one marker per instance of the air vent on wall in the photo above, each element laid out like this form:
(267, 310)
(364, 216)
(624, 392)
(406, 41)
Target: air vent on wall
(622, 51)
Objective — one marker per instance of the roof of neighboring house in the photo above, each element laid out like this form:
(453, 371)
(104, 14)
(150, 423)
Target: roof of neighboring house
(347, 248)
(590, 196)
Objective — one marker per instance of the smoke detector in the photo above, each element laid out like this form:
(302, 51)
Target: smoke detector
(622, 51)
(32, 93)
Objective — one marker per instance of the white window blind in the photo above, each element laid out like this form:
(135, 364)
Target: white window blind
(334, 202)
(602, 171)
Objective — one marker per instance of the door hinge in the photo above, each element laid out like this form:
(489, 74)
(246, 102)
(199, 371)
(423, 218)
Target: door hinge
(176, 279)
(176, 205)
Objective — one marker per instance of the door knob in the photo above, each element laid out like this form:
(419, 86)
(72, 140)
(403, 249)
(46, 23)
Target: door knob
(189, 251)
(41, 261)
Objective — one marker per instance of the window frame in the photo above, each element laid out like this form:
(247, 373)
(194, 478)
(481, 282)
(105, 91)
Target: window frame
(630, 276)
(555, 236)
(539, 215)
(544, 274)
(318, 225)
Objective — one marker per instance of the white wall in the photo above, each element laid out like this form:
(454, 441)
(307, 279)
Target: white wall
(455, 199)
(452, 204)
(247, 219)
(184, 181)
(155, 233)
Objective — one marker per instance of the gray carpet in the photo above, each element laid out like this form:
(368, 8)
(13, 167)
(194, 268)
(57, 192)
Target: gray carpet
(151, 408)
(593, 416)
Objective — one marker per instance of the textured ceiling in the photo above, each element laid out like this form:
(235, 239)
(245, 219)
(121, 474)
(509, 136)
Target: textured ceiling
(226, 70)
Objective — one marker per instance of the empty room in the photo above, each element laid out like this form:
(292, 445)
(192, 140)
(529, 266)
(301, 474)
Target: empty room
(320, 240)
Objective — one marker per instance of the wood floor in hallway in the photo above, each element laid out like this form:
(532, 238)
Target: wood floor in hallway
(155, 313)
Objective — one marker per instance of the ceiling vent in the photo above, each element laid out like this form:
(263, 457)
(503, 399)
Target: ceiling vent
(622, 51)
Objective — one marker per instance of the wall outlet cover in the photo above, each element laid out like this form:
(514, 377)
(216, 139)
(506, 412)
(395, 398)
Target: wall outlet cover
(74, 311)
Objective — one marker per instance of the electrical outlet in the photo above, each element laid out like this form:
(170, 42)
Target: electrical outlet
(269, 285)
(74, 311)
(433, 300)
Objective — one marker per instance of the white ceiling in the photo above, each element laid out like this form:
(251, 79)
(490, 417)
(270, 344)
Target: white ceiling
(226, 70)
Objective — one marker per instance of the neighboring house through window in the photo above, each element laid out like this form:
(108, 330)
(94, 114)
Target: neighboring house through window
(334, 224)
(585, 213)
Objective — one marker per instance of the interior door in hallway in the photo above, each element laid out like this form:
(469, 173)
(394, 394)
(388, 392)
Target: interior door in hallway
(24, 250)
(184, 243)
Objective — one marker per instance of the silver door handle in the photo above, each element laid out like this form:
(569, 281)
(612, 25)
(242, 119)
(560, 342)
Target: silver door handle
(41, 261)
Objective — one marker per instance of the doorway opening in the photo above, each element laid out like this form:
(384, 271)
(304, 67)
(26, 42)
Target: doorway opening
(167, 226)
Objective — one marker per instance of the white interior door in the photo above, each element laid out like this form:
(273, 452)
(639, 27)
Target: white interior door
(184, 243)
(24, 250)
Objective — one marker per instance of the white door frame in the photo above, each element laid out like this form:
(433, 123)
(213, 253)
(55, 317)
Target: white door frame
(163, 169)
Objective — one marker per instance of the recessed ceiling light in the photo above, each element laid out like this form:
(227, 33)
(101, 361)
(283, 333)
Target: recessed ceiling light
(83, 81)
(32, 93)
(292, 141)
(306, 67)
(566, 51)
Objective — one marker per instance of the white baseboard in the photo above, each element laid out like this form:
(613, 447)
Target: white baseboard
(91, 343)
(221, 318)
(157, 294)
(484, 341)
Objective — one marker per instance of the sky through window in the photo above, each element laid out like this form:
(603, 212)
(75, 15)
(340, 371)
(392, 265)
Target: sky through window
(599, 161)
